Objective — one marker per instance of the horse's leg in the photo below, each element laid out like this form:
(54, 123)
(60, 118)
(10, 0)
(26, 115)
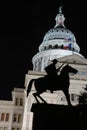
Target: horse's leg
(35, 95)
(66, 92)
(42, 99)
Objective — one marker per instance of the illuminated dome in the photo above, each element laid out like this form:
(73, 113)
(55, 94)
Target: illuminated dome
(59, 36)
(58, 42)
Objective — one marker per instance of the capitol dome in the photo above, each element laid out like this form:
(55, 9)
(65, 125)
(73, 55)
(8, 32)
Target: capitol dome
(58, 42)
(59, 36)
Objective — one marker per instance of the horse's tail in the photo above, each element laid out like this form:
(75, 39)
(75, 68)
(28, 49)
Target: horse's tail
(29, 86)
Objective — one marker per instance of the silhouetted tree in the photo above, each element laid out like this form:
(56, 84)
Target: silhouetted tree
(83, 97)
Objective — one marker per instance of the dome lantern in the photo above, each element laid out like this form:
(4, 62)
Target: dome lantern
(60, 18)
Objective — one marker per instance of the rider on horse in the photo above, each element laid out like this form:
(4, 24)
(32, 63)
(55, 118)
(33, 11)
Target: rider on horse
(52, 71)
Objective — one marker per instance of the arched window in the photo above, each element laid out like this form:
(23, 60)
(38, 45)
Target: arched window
(50, 47)
(55, 47)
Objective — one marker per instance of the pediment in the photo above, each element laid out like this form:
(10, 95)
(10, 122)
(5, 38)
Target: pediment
(74, 59)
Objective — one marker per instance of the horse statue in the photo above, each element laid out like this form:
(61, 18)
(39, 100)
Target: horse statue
(61, 82)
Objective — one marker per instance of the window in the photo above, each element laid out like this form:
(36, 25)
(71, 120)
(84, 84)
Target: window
(74, 97)
(50, 47)
(2, 116)
(17, 118)
(21, 102)
(16, 101)
(55, 47)
(7, 117)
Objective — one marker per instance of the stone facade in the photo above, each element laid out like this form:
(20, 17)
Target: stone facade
(11, 112)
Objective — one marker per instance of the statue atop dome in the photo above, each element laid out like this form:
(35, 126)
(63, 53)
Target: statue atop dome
(60, 9)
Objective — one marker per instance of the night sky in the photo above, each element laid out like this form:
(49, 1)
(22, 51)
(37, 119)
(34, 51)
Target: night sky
(22, 28)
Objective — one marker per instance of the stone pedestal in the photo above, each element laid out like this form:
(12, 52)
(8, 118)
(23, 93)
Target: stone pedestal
(57, 117)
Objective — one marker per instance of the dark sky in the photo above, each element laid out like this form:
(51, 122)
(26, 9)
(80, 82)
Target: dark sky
(22, 27)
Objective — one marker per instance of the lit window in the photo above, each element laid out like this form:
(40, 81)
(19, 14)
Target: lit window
(2, 116)
(19, 117)
(7, 117)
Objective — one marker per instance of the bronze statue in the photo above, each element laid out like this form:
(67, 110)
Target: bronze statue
(60, 82)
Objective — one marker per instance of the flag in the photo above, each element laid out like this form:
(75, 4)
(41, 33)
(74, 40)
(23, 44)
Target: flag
(69, 46)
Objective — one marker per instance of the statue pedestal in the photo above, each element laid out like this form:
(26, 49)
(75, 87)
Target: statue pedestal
(56, 117)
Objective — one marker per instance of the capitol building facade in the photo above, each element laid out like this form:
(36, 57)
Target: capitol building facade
(58, 43)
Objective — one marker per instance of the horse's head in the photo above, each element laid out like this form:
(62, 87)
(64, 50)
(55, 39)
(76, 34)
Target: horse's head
(68, 69)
